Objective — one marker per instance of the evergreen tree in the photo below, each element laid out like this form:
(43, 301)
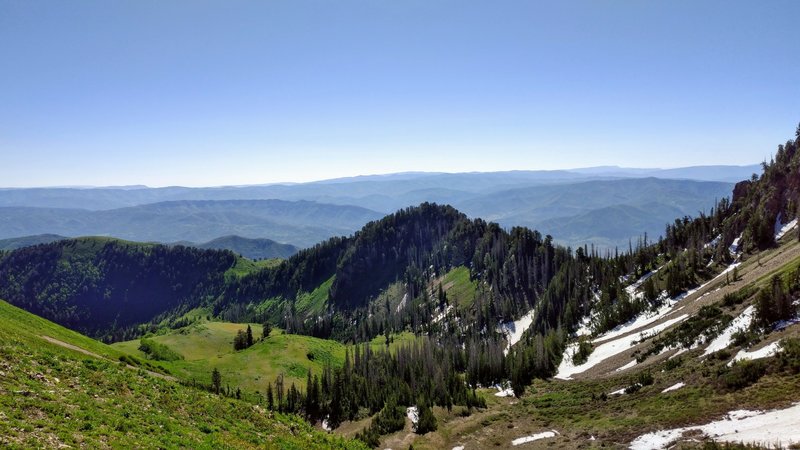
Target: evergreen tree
(216, 380)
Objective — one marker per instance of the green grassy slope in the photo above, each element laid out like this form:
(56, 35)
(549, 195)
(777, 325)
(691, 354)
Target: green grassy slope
(52, 396)
(209, 345)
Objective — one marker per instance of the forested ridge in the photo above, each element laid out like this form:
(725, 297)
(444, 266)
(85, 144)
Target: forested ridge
(105, 287)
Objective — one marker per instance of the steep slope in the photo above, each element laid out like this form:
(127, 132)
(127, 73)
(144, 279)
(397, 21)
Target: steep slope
(59, 389)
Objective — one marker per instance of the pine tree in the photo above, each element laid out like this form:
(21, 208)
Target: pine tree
(270, 398)
(266, 329)
(249, 339)
(216, 380)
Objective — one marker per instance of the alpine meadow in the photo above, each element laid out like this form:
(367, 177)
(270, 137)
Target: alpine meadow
(399, 225)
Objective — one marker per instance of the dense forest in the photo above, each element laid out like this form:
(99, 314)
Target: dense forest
(105, 287)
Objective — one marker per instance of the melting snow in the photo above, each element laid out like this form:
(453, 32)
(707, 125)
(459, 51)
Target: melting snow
(507, 392)
(769, 428)
(325, 425)
(612, 344)
(674, 387)
(609, 349)
(627, 366)
(460, 447)
(413, 414)
(442, 314)
(514, 330)
(619, 392)
(724, 340)
(765, 352)
(781, 231)
(631, 290)
(402, 303)
(734, 248)
(534, 437)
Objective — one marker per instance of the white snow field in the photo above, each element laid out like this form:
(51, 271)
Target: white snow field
(514, 330)
(765, 428)
(534, 437)
(742, 322)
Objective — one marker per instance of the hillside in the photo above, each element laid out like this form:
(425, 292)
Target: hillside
(27, 241)
(59, 389)
(106, 287)
(250, 248)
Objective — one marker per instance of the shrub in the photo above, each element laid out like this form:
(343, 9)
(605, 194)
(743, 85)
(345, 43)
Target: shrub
(673, 364)
(158, 351)
(742, 374)
(583, 351)
(789, 356)
(645, 378)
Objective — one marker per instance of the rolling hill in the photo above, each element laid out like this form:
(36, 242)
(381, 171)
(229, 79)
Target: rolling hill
(250, 248)
(300, 223)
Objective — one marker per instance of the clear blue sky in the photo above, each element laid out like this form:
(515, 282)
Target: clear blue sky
(240, 92)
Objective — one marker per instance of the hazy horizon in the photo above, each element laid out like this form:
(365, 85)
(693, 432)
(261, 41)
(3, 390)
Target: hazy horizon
(645, 170)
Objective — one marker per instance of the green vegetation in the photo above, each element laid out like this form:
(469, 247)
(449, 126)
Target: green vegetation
(52, 396)
(210, 345)
(388, 420)
(309, 304)
(458, 286)
(159, 352)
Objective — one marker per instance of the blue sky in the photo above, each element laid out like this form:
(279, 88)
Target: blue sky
(241, 92)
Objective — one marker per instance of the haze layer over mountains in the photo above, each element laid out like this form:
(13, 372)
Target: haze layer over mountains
(604, 206)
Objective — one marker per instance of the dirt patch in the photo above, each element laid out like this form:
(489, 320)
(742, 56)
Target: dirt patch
(95, 355)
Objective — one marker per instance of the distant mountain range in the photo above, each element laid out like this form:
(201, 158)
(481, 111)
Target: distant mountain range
(616, 204)
(301, 223)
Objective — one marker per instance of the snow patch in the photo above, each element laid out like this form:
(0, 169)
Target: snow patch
(608, 349)
(514, 330)
(780, 231)
(507, 392)
(631, 290)
(769, 428)
(585, 327)
(765, 352)
(724, 340)
(534, 437)
(674, 387)
(459, 447)
(734, 248)
(413, 414)
(444, 313)
(627, 366)
(402, 303)
(619, 392)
